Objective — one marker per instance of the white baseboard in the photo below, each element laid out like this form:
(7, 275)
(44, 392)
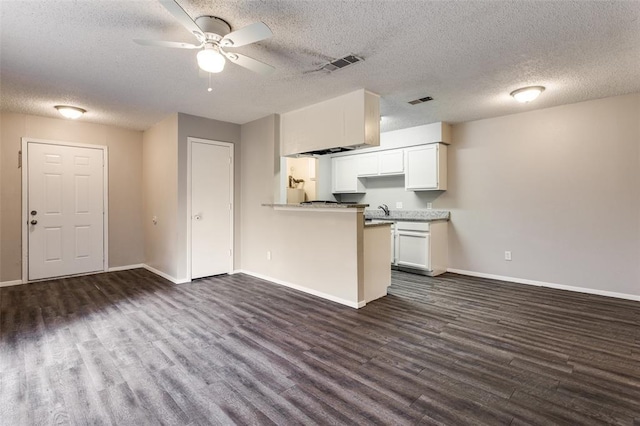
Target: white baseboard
(125, 268)
(546, 284)
(10, 283)
(164, 275)
(303, 289)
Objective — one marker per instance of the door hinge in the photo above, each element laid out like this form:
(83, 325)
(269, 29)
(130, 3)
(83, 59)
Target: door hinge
(230, 160)
(230, 253)
(20, 159)
(230, 206)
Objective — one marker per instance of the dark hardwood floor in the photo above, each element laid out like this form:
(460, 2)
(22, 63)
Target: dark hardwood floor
(130, 348)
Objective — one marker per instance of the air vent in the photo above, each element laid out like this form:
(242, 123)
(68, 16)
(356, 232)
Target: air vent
(421, 100)
(341, 63)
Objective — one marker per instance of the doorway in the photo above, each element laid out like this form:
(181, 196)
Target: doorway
(64, 209)
(210, 222)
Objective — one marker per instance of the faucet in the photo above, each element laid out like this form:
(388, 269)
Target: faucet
(385, 209)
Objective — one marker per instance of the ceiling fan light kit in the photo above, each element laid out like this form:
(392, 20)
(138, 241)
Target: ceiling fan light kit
(70, 111)
(213, 35)
(210, 59)
(527, 94)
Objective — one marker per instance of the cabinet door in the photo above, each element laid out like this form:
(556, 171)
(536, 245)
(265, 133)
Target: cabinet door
(393, 246)
(344, 174)
(412, 249)
(392, 162)
(421, 168)
(367, 164)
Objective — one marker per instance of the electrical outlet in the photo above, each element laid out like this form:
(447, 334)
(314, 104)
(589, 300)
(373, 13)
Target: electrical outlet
(429, 206)
(268, 255)
(398, 204)
(507, 255)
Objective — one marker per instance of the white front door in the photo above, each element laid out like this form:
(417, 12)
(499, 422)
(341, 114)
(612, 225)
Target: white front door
(65, 210)
(211, 208)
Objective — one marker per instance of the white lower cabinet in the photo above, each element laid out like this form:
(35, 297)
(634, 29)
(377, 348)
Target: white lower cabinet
(421, 246)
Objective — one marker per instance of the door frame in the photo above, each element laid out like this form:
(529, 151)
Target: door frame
(25, 199)
(190, 141)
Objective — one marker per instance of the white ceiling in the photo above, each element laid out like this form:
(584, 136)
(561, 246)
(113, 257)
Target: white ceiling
(467, 55)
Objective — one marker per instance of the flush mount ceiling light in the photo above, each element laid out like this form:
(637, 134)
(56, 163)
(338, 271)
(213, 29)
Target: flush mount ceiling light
(527, 94)
(70, 111)
(210, 59)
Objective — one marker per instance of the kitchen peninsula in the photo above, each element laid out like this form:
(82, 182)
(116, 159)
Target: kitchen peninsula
(326, 250)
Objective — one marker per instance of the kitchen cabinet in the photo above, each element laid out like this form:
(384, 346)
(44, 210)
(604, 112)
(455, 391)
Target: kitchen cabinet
(391, 162)
(349, 120)
(344, 175)
(426, 167)
(381, 163)
(421, 247)
(367, 164)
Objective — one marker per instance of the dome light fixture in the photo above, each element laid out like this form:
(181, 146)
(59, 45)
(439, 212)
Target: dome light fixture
(70, 111)
(527, 94)
(210, 59)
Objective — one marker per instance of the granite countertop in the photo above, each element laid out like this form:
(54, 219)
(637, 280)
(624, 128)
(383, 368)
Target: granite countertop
(427, 215)
(318, 206)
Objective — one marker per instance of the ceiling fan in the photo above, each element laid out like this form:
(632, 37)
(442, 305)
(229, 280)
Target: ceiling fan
(214, 35)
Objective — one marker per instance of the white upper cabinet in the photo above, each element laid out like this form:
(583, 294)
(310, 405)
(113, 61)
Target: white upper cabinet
(426, 168)
(345, 121)
(391, 162)
(344, 175)
(368, 164)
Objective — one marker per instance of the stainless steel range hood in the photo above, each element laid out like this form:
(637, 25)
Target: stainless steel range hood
(336, 125)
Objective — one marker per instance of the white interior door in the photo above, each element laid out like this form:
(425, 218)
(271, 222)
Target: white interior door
(211, 208)
(65, 210)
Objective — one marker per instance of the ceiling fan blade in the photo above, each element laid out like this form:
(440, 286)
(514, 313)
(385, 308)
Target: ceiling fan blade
(250, 63)
(183, 17)
(160, 43)
(247, 35)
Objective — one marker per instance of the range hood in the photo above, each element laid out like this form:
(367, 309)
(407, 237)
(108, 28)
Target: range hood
(326, 151)
(336, 125)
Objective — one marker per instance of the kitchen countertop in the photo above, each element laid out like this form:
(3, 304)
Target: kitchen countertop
(319, 206)
(427, 215)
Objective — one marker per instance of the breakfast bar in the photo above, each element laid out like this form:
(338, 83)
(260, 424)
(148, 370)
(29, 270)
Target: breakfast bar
(328, 251)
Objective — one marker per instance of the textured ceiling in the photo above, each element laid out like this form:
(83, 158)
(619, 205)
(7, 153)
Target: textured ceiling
(467, 55)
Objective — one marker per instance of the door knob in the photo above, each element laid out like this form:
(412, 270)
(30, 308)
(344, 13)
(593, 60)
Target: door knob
(33, 212)
(197, 217)
(34, 222)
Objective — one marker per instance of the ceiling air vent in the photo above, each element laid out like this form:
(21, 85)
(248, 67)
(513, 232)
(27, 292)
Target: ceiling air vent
(421, 100)
(341, 63)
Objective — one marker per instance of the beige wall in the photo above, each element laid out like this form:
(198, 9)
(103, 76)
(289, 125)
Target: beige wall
(559, 187)
(160, 195)
(125, 182)
(315, 250)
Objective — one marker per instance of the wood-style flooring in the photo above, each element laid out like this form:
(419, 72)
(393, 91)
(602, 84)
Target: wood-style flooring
(129, 348)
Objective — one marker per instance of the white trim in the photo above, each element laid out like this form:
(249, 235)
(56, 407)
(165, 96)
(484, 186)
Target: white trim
(312, 292)
(164, 275)
(125, 267)
(546, 284)
(25, 199)
(231, 147)
(10, 283)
